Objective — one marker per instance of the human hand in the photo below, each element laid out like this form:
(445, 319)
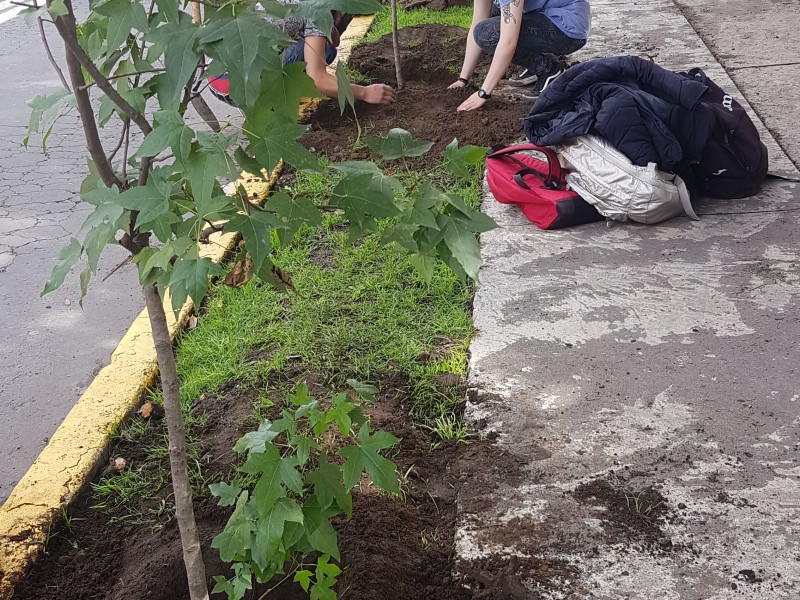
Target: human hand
(458, 85)
(471, 103)
(379, 93)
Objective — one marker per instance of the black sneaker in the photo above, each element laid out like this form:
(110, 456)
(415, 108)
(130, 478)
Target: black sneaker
(545, 80)
(523, 78)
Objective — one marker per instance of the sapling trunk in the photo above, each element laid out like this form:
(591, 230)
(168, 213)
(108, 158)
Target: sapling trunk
(398, 67)
(184, 512)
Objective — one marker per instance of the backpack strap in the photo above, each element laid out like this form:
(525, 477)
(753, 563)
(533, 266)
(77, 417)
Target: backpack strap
(686, 201)
(554, 173)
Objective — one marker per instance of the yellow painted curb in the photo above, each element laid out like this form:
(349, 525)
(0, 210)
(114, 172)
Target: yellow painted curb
(80, 446)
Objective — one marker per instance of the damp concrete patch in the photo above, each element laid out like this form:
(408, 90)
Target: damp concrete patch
(644, 379)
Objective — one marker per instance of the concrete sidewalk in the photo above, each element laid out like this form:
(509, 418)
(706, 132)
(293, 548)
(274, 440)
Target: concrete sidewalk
(642, 383)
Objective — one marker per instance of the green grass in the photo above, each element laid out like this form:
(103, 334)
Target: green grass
(459, 16)
(360, 311)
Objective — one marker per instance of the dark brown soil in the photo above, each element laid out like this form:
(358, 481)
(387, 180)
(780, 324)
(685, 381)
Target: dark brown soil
(431, 57)
(390, 549)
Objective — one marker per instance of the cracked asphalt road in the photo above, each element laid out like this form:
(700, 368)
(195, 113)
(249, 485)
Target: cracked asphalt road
(50, 348)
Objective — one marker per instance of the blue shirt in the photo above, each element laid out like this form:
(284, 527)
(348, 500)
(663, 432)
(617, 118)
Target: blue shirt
(573, 17)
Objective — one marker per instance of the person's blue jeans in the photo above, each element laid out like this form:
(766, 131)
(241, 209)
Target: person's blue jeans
(295, 53)
(538, 38)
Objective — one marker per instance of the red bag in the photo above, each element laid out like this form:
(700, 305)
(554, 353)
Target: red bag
(537, 187)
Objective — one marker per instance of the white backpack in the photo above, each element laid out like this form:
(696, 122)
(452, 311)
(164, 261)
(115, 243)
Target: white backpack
(617, 188)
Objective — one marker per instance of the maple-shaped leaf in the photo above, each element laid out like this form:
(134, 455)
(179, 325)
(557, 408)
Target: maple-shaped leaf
(297, 210)
(318, 529)
(462, 243)
(366, 196)
(365, 456)
(256, 441)
(189, 277)
(281, 93)
(279, 142)
(170, 131)
(237, 537)
(151, 200)
(202, 167)
(255, 229)
(245, 45)
(227, 493)
(458, 160)
(364, 390)
(269, 531)
(397, 144)
(67, 258)
(275, 468)
(328, 486)
(124, 16)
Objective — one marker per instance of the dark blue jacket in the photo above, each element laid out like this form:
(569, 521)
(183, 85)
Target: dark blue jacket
(646, 112)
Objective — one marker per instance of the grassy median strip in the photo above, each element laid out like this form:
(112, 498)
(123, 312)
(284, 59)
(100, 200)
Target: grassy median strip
(359, 311)
(459, 16)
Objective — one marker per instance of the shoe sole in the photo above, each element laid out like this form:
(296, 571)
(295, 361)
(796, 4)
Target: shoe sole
(521, 82)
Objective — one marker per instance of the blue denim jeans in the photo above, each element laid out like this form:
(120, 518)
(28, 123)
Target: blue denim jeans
(295, 53)
(538, 38)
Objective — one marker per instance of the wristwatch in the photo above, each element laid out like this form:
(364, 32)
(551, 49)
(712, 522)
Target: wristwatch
(483, 95)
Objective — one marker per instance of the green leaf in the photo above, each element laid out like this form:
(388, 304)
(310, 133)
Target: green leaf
(255, 229)
(302, 445)
(45, 111)
(226, 492)
(303, 578)
(364, 390)
(365, 456)
(57, 9)
(396, 144)
(328, 486)
(189, 277)
(281, 92)
(244, 45)
(274, 468)
(124, 16)
(237, 537)
(256, 441)
(461, 243)
(271, 526)
(170, 131)
(345, 92)
(280, 142)
(202, 167)
(458, 160)
(31, 14)
(359, 167)
(366, 196)
(300, 395)
(168, 9)
(179, 38)
(319, 531)
(294, 210)
(319, 11)
(67, 259)
(424, 265)
(340, 413)
(151, 200)
(426, 201)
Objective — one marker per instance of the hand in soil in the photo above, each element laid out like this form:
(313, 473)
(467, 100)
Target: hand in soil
(472, 103)
(379, 93)
(458, 85)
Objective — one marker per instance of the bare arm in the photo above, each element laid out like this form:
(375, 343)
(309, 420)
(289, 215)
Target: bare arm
(481, 10)
(314, 51)
(510, 21)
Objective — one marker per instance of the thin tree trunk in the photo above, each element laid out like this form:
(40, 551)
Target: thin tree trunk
(398, 68)
(192, 556)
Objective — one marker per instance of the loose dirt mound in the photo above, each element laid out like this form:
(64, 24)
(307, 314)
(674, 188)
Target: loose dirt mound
(431, 57)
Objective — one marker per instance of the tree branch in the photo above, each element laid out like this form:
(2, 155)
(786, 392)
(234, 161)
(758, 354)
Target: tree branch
(86, 86)
(65, 25)
(88, 121)
(50, 54)
(125, 125)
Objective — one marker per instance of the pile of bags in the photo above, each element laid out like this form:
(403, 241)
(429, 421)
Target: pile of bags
(622, 138)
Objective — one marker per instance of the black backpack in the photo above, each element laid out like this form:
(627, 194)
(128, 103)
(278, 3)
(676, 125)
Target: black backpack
(734, 162)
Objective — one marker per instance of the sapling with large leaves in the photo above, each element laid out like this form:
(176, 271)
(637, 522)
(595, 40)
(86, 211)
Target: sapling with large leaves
(137, 68)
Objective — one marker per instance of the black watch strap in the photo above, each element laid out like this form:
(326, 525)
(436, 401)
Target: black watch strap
(482, 94)
(464, 81)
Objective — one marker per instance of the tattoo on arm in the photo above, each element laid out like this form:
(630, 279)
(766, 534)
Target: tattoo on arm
(507, 16)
